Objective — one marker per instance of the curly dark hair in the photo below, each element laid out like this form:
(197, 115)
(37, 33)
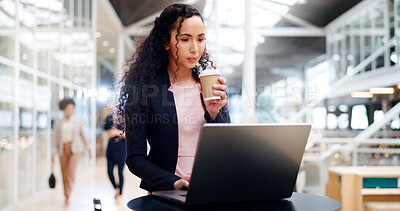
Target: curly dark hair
(64, 102)
(151, 59)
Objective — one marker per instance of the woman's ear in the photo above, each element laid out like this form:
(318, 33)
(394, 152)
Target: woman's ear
(167, 47)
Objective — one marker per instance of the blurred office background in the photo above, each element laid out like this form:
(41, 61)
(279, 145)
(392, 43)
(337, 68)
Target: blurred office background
(332, 63)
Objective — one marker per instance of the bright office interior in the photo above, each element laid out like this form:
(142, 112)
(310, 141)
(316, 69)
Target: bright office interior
(331, 63)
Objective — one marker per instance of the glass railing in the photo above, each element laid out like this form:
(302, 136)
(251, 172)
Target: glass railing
(364, 39)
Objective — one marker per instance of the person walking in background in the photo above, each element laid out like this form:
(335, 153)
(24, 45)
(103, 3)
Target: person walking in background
(161, 100)
(69, 141)
(265, 112)
(116, 153)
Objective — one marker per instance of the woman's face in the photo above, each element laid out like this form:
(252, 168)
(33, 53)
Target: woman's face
(191, 43)
(69, 110)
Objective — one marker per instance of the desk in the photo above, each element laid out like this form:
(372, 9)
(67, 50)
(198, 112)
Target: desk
(298, 202)
(355, 185)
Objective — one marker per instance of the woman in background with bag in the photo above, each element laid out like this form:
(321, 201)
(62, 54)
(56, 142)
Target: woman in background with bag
(69, 142)
(116, 153)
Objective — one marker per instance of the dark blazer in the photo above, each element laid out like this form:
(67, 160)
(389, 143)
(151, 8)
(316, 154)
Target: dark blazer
(159, 125)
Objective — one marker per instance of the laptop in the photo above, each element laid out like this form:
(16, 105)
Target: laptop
(243, 162)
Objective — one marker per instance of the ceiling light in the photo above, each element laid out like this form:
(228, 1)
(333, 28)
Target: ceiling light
(361, 94)
(75, 79)
(111, 50)
(98, 34)
(105, 43)
(398, 86)
(24, 56)
(379, 90)
(349, 57)
(335, 57)
(393, 57)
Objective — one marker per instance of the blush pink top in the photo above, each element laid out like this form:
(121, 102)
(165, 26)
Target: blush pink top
(190, 113)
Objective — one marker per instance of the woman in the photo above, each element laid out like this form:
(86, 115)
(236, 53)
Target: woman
(161, 100)
(265, 108)
(116, 154)
(69, 141)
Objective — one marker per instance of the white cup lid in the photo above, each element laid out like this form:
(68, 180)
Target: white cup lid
(207, 72)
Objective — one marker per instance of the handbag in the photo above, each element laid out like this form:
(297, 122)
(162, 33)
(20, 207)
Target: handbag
(52, 178)
(52, 181)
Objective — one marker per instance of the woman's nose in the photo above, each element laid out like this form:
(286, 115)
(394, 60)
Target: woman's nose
(194, 48)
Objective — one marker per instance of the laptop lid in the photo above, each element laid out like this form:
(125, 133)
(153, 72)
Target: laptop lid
(243, 162)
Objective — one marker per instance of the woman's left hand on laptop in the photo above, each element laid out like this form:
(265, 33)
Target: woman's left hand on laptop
(183, 183)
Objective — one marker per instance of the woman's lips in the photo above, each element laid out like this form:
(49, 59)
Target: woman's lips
(192, 59)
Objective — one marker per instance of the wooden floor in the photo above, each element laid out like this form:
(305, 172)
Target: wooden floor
(89, 184)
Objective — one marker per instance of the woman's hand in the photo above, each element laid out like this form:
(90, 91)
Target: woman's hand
(183, 184)
(115, 132)
(111, 133)
(119, 133)
(213, 106)
(122, 133)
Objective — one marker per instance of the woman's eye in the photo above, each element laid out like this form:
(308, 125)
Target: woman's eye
(201, 39)
(185, 40)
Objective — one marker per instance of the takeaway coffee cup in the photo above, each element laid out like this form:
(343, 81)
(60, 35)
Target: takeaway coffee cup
(208, 78)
